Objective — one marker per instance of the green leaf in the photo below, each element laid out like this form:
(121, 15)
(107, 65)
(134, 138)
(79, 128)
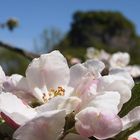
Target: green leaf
(133, 102)
(6, 132)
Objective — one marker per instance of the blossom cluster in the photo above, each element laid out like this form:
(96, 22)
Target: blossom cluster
(115, 60)
(55, 102)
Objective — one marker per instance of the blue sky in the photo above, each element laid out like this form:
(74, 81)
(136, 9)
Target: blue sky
(36, 15)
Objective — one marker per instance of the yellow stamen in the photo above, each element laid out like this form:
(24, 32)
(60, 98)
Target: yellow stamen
(60, 91)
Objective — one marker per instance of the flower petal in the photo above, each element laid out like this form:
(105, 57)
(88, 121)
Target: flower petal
(68, 104)
(2, 78)
(14, 108)
(107, 101)
(2, 74)
(91, 68)
(119, 59)
(15, 82)
(47, 126)
(102, 125)
(76, 73)
(135, 136)
(94, 66)
(123, 76)
(86, 89)
(132, 118)
(133, 70)
(51, 104)
(106, 84)
(119, 81)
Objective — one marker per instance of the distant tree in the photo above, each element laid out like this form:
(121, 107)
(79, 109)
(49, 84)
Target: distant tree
(103, 30)
(48, 39)
(89, 28)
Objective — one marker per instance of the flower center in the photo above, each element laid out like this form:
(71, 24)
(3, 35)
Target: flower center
(60, 91)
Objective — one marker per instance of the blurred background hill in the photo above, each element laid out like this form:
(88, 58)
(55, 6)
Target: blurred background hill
(110, 31)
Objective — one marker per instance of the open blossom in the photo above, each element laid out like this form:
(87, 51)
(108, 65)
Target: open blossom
(134, 70)
(53, 66)
(93, 53)
(115, 60)
(94, 99)
(119, 59)
(74, 61)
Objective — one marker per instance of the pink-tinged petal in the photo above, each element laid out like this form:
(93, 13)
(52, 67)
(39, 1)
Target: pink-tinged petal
(118, 84)
(76, 73)
(35, 79)
(106, 101)
(91, 68)
(71, 136)
(135, 136)
(47, 126)
(95, 67)
(102, 125)
(15, 109)
(15, 82)
(26, 97)
(131, 138)
(123, 76)
(86, 89)
(132, 118)
(58, 103)
(55, 69)
(9, 121)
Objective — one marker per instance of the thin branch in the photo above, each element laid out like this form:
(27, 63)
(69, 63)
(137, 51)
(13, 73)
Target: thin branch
(26, 54)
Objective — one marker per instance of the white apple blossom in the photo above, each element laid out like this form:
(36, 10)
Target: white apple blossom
(93, 53)
(74, 61)
(45, 74)
(95, 99)
(2, 78)
(119, 60)
(134, 70)
(115, 60)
